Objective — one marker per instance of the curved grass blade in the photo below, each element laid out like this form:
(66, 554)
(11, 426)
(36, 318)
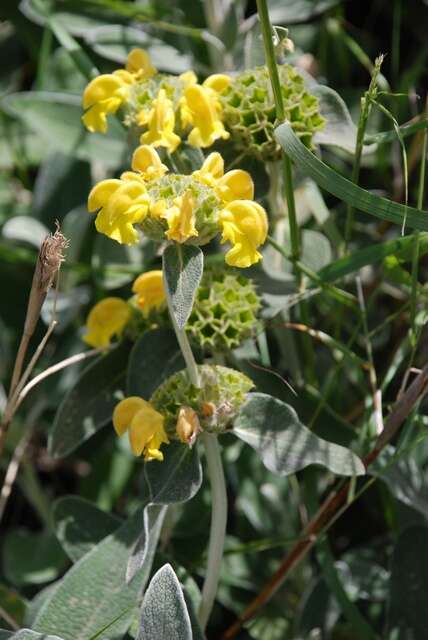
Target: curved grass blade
(342, 188)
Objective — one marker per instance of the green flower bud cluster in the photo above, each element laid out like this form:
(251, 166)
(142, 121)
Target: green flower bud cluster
(206, 207)
(216, 403)
(249, 112)
(225, 310)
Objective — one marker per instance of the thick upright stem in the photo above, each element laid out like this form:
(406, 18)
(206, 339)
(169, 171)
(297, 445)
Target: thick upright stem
(218, 526)
(218, 488)
(280, 114)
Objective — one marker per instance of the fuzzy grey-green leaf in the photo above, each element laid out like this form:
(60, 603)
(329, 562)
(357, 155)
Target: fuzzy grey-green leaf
(164, 613)
(183, 267)
(285, 445)
(178, 478)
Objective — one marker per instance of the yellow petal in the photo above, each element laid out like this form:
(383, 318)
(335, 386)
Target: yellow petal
(101, 193)
(212, 169)
(161, 124)
(181, 219)
(188, 77)
(147, 424)
(100, 88)
(146, 160)
(150, 291)
(203, 107)
(139, 62)
(245, 225)
(106, 319)
(235, 185)
(124, 412)
(217, 82)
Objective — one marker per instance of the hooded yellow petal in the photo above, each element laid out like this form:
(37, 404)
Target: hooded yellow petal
(139, 62)
(101, 88)
(106, 319)
(161, 123)
(181, 219)
(211, 171)
(146, 160)
(203, 107)
(146, 430)
(235, 185)
(101, 193)
(150, 291)
(245, 225)
(125, 411)
(188, 77)
(217, 82)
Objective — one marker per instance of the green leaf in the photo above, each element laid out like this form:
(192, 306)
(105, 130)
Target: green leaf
(339, 130)
(57, 118)
(152, 516)
(32, 558)
(345, 190)
(178, 478)
(80, 525)
(117, 264)
(27, 634)
(408, 612)
(273, 429)
(89, 404)
(25, 229)
(295, 11)
(114, 42)
(164, 613)
(94, 591)
(400, 247)
(183, 266)
(154, 357)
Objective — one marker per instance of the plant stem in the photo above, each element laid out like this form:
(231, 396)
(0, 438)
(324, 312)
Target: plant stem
(362, 124)
(218, 487)
(280, 115)
(218, 526)
(415, 249)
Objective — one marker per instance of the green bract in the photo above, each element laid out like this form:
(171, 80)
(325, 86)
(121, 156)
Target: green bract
(144, 91)
(217, 402)
(249, 110)
(225, 310)
(207, 206)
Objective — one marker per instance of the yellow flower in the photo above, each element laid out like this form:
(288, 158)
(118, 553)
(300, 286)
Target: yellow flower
(161, 122)
(218, 82)
(180, 217)
(150, 291)
(188, 425)
(233, 185)
(145, 427)
(211, 171)
(201, 109)
(104, 95)
(106, 319)
(187, 78)
(139, 63)
(120, 204)
(245, 225)
(146, 161)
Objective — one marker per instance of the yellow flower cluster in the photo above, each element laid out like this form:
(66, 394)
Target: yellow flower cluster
(122, 203)
(165, 106)
(109, 317)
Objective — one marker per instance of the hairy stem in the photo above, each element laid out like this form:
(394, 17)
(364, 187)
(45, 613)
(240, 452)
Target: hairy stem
(218, 487)
(218, 526)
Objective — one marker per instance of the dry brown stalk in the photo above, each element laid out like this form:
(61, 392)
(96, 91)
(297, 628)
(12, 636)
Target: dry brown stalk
(336, 501)
(50, 257)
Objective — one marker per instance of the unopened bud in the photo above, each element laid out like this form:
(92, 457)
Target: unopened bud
(188, 426)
